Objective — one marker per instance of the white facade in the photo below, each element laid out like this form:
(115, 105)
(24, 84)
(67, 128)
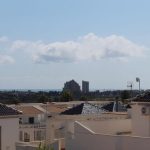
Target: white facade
(123, 134)
(32, 127)
(30, 133)
(141, 119)
(110, 126)
(59, 126)
(85, 139)
(37, 118)
(9, 132)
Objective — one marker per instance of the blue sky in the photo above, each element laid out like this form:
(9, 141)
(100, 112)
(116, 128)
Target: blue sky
(44, 43)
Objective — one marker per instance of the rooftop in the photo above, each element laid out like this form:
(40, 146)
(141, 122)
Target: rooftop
(88, 108)
(54, 108)
(142, 97)
(28, 110)
(8, 111)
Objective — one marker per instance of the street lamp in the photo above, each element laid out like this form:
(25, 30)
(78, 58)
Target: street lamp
(138, 80)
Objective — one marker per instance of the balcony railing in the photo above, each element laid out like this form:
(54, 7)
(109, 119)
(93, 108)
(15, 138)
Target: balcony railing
(37, 125)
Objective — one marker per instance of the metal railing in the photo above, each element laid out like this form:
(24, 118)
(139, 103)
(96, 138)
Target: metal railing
(37, 125)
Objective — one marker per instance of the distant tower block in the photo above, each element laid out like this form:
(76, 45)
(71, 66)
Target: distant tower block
(85, 86)
(72, 86)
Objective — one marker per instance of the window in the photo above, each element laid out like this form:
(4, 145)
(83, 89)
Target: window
(20, 120)
(26, 137)
(31, 120)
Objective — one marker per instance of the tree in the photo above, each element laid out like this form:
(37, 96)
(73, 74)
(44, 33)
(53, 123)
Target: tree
(43, 99)
(125, 95)
(83, 98)
(66, 96)
(16, 101)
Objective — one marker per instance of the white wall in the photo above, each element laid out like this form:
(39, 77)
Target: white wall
(10, 133)
(37, 118)
(86, 140)
(140, 122)
(51, 126)
(109, 126)
(31, 131)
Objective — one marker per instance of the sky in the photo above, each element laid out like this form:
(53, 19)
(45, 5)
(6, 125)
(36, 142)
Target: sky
(44, 43)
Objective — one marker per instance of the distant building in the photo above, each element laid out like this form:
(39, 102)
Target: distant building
(72, 86)
(85, 86)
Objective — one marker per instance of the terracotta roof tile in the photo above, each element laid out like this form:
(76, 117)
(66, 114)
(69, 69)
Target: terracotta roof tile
(52, 108)
(29, 110)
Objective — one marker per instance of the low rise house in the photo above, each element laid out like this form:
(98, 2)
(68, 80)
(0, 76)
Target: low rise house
(114, 134)
(62, 125)
(9, 127)
(32, 124)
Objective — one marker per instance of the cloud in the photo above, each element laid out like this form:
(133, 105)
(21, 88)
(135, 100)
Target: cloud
(3, 39)
(87, 48)
(5, 59)
(5, 44)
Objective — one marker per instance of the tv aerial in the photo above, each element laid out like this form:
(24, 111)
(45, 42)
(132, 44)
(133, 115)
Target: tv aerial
(130, 84)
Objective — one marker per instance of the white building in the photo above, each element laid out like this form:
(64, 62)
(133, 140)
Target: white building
(61, 127)
(113, 134)
(9, 127)
(32, 124)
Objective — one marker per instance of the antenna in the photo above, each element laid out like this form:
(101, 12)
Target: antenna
(130, 85)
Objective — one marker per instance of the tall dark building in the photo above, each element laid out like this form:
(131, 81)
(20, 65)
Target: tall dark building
(72, 86)
(85, 86)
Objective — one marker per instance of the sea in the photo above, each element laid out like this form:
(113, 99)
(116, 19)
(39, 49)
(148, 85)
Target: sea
(32, 90)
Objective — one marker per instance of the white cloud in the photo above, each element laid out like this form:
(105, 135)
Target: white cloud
(89, 47)
(3, 39)
(27, 46)
(5, 59)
